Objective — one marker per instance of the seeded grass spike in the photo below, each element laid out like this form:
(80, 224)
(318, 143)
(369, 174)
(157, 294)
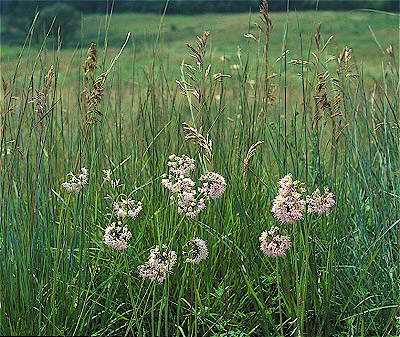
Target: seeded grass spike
(41, 97)
(96, 93)
(250, 153)
(192, 135)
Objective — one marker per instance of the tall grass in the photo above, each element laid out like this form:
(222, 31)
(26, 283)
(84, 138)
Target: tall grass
(340, 278)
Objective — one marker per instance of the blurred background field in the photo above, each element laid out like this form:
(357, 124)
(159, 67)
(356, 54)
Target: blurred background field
(368, 34)
(227, 34)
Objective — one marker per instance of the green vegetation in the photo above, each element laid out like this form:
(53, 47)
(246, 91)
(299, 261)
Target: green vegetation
(227, 30)
(325, 113)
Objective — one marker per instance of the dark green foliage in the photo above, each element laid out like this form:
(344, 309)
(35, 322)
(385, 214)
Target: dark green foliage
(19, 16)
(66, 22)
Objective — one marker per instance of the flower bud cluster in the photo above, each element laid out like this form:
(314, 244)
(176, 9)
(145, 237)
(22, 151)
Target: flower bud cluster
(117, 236)
(76, 182)
(159, 264)
(198, 251)
(127, 208)
(275, 242)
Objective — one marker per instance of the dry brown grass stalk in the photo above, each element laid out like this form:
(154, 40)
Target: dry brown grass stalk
(321, 99)
(343, 72)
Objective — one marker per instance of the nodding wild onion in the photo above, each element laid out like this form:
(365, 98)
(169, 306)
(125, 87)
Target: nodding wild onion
(197, 251)
(191, 201)
(288, 206)
(160, 263)
(127, 208)
(275, 242)
(76, 182)
(117, 236)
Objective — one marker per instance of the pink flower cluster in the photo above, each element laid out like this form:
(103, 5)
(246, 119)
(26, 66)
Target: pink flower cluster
(117, 236)
(159, 264)
(189, 204)
(178, 179)
(320, 203)
(275, 242)
(191, 201)
(76, 182)
(213, 185)
(198, 251)
(127, 207)
(289, 205)
(180, 166)
(182, 186)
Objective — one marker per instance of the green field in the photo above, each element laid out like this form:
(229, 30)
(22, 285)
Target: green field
(331, 119)
(227, 34)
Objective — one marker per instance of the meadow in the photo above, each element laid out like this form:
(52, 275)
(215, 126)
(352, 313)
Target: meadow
(246, 184)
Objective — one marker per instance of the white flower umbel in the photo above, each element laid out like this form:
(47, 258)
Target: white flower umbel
(159, 264)
(117, 236)
(198, 251)
(127, 208)
(76, 182)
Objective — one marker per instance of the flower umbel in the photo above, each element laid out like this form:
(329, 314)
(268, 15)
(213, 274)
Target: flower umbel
(320, 203)
(159, 264)
(107, 177)
(275, 242)
(198, 251)
(117, 236)
(189, 204)
(76, 182)
(180, 166)
(213, 185)
(127, 207)
(183, 187)
(288, 206)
